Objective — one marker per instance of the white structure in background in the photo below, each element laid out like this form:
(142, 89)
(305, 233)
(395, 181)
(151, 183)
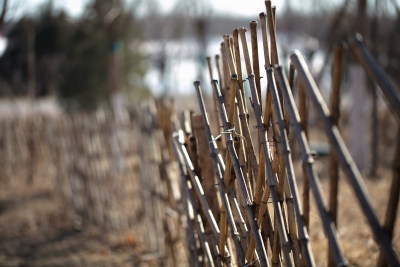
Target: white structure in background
(3, 44)
(359, 117)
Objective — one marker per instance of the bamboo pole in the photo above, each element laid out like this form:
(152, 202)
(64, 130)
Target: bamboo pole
(242, 33)
(345, 158)
(272, 33)
(225, 70)
(375, 72)
(218, 66)
(335, 111)
(270, 176)
(220, 170)
(239, 65)
(228, 54)
(393, 203)
(254, 53)
(227, 174)
(247, 203)
(215, 108)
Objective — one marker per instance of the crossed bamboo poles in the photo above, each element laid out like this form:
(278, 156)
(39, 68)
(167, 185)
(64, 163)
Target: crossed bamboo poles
(273, 175)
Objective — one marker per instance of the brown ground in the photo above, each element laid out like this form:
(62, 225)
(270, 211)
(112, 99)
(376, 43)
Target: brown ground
(35, 230)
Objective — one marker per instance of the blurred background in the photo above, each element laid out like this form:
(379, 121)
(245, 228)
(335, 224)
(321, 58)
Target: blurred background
(79, 126)
(80, 52)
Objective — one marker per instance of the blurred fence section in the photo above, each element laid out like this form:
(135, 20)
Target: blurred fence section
(111, 171)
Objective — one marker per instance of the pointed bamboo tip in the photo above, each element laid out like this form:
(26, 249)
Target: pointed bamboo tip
(214, 81)
(242, 29)
(196, 83)
(253, 24)
(262, 15)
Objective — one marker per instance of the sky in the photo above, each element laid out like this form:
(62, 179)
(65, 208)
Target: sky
(234, 7)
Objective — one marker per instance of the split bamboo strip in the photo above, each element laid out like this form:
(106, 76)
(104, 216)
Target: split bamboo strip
(393, 203)
(183, 155)
(189, 210)
(335, 111)
(345, 158)
(204, 164)
(200, 193)
(375, 72)
(241, 179)
(270, 176)
(220, 172)
(199, 224)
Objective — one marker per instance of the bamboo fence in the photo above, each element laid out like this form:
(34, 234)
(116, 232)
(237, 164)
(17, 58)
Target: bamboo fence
(219, 187)
(263, 219)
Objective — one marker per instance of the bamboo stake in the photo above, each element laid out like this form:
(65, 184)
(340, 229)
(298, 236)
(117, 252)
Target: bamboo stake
(270, 176)
(263, 20)
(220, 171)
(375, 72)
(272, 33)
(333, 162)
(228, 54)
(189, 211)
(241, 180)
(345, 158)
(239, 65)
(254, 53)
(201, 195)
(242, 33)
(186, 161)
(215, 108)
(225, 70)
(218, 66)
(227, 174)
(393, 203)
(200, 230)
